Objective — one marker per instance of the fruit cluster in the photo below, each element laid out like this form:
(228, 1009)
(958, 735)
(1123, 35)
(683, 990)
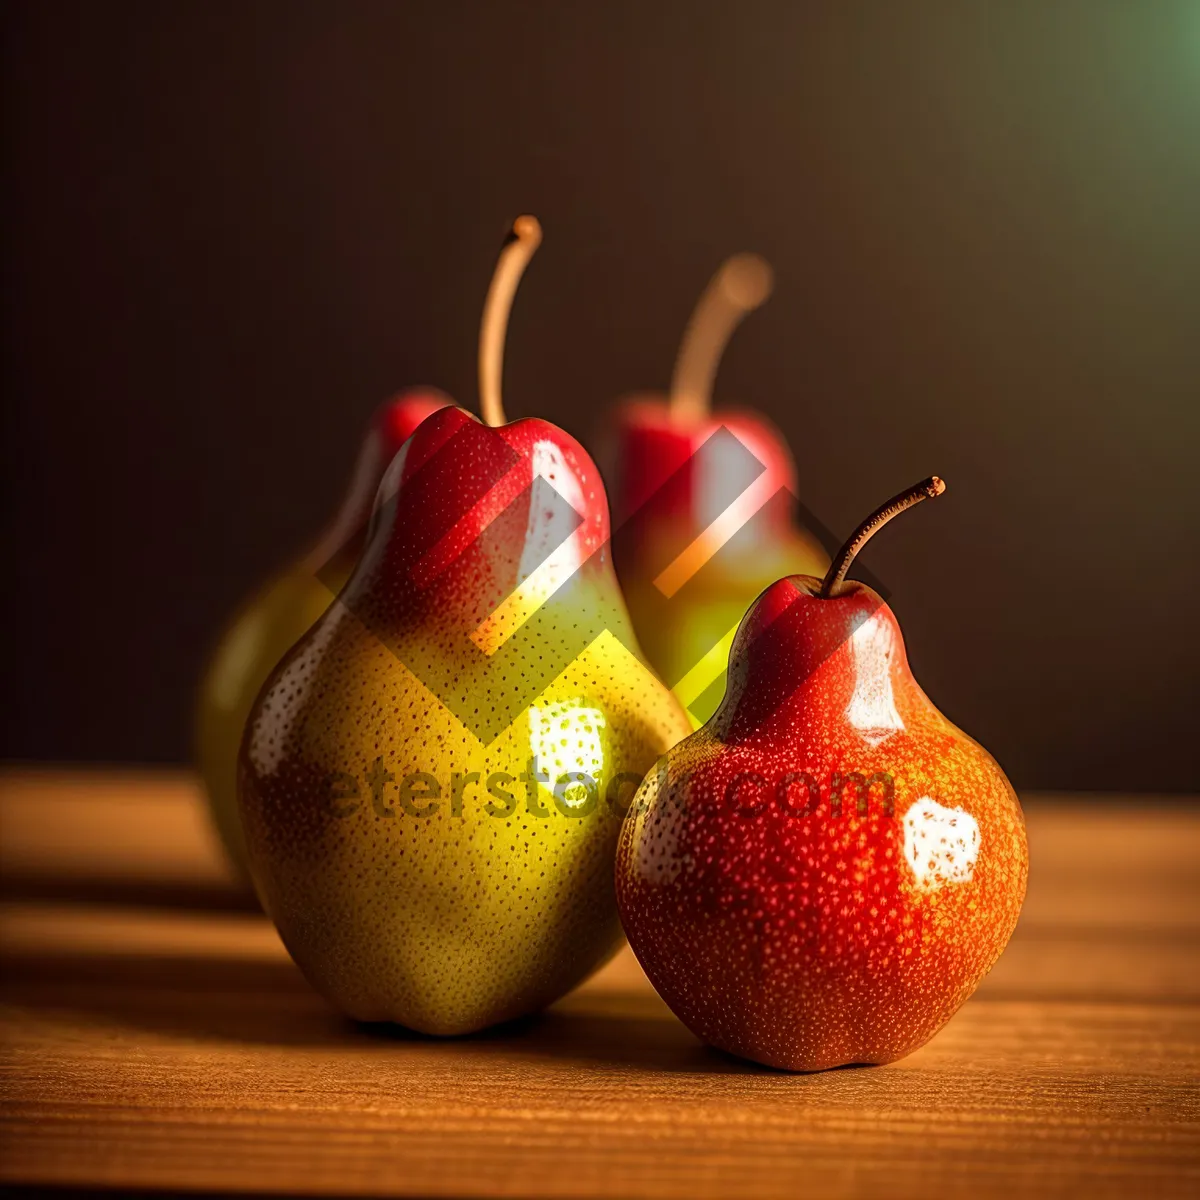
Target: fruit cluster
(815, 868)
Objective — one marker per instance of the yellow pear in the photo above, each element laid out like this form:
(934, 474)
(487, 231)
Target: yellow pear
(432, 782)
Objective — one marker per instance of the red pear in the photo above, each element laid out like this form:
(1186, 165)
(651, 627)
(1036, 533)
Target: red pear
(823, 873)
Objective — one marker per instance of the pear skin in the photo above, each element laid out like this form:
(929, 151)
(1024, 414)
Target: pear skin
(262, 633)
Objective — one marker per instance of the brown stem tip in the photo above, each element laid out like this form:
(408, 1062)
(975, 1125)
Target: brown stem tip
(925, 490)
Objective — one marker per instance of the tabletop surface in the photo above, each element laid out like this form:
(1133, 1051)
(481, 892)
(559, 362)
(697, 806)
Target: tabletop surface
(157, 1036)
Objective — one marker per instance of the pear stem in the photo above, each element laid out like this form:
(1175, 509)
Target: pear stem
(925, 490)
(518, 249)
(738, 288)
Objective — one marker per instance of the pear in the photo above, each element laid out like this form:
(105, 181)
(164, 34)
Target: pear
(824, 872)
(704, 502)
(433, 780)
(274, 619)
(282, 611)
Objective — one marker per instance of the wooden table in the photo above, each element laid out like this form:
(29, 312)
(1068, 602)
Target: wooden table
(157, 1036)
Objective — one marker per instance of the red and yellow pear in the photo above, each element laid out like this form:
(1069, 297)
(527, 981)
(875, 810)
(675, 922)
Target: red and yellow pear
(433, 780)
(704, 501)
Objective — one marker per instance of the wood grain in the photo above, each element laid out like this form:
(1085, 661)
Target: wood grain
(152, 1044)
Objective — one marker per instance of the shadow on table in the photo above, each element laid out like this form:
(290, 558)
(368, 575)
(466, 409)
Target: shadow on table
(249, 1001)
(135, 893)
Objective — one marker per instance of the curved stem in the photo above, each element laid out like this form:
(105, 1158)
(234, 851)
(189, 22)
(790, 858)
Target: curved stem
(518, 249)
(739, 287)
(925, 490)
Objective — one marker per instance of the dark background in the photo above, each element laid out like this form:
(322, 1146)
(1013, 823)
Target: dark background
(232, 229)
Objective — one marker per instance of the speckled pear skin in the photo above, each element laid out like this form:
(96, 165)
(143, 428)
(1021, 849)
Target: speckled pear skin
(281, 612)
(781, 929)
(273, 621)
(454, 911)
